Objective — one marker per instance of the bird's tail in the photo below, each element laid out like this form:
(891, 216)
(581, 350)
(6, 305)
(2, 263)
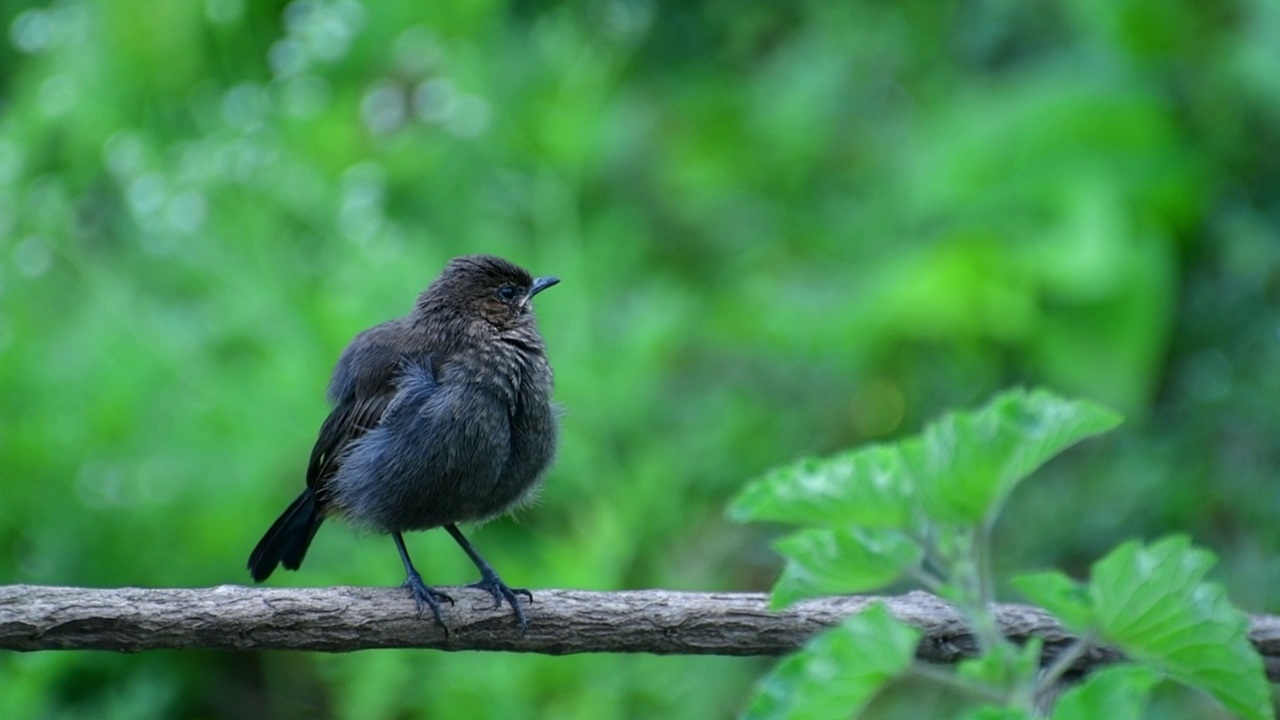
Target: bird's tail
(288, 539)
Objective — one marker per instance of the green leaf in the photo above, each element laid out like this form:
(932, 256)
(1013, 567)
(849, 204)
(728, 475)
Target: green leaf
(842, 560)
(1005, 666)
(966, 464)
(1119, 692)
(1060, 595)
(838, 672)
(868, 487)
(1152, 602)
(996, 712)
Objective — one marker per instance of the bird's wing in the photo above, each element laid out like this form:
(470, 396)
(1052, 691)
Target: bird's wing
(357, 415)
(348, 421)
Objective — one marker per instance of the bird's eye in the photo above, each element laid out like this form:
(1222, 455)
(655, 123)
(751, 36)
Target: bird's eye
(507, 292)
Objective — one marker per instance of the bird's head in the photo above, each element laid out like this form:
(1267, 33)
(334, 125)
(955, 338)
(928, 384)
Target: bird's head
(487, 288)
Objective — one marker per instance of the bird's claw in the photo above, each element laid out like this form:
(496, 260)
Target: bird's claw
(500, 591)
(425, 598)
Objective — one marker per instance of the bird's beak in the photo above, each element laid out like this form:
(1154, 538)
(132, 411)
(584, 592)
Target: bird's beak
(541, 284)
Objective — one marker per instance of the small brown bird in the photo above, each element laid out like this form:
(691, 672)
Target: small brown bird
(439, 417)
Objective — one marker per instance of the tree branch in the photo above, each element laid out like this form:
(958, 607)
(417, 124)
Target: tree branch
(343, 619)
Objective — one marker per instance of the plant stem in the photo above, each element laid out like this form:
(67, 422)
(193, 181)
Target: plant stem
(930, 581)
(980, 592)
(1062, 663)
(952, 680)
(982, 549)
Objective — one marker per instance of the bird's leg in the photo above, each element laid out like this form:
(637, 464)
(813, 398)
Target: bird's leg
(489, 579)
(424, 596)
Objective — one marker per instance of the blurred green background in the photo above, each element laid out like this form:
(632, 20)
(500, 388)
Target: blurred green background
(784, 228)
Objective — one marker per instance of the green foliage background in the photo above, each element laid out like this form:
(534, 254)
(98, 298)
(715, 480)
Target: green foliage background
(783, 228)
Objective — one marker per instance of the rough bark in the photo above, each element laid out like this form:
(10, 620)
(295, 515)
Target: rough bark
(344, 619)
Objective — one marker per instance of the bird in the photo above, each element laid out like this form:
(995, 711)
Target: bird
(440, 417)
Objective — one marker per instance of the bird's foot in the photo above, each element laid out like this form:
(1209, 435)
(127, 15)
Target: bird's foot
(425, 597)
(492, 584)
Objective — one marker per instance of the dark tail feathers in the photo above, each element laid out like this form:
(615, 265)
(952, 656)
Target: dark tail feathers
(288, 539)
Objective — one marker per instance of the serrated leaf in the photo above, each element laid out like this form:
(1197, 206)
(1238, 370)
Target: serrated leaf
(838, 672)
(1152, 602)
(1065, 598)
(842, 560)
(965, 465)
(1119, 692)
(868, 487)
